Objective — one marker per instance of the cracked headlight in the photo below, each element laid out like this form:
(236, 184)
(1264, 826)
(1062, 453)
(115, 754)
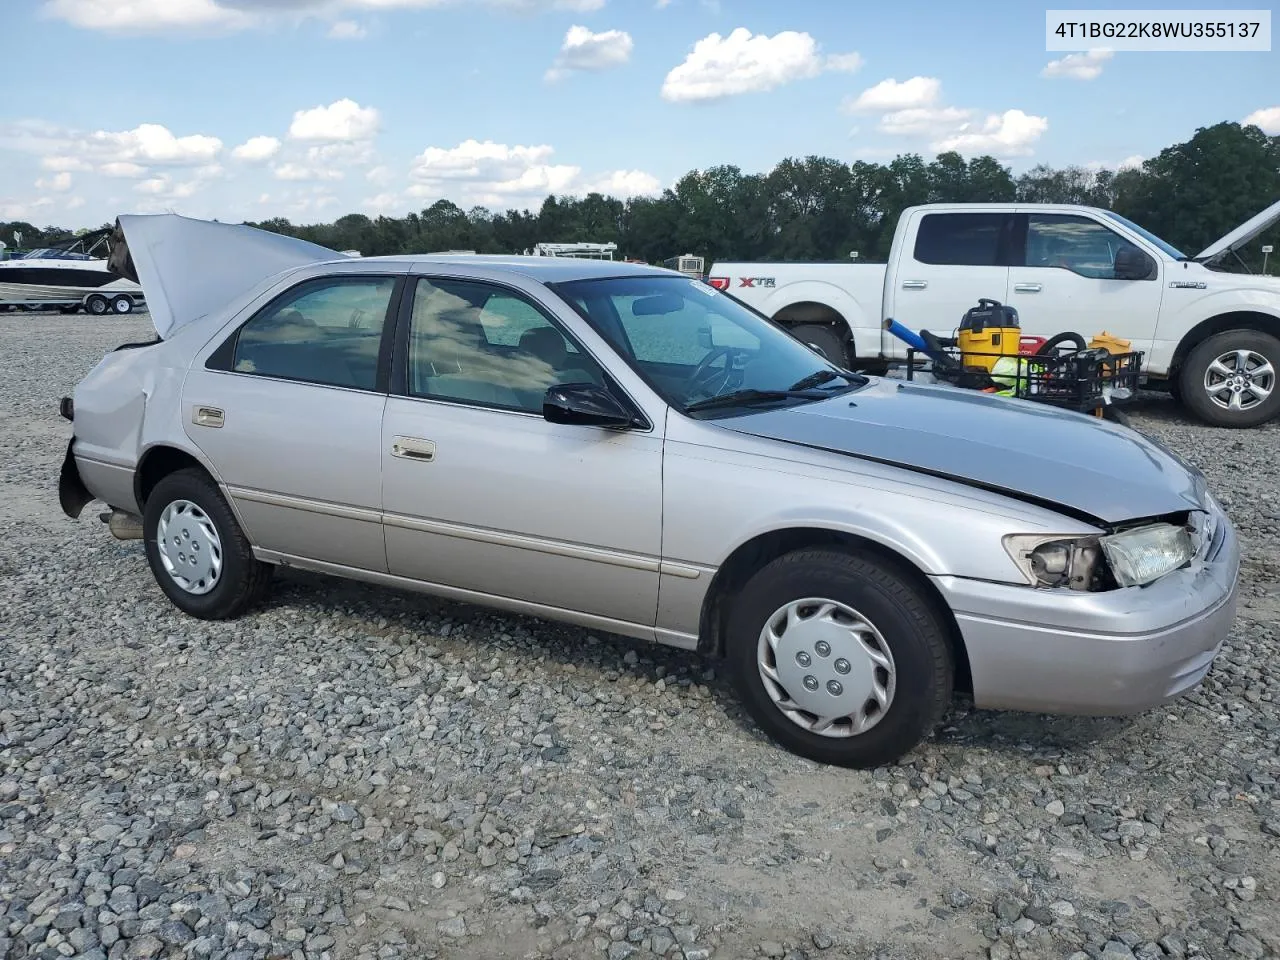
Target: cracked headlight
(1056, 561)
(1144, 554)
(1130, 558)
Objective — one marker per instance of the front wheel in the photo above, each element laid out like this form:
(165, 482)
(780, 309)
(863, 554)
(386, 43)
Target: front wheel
(1229, 380)
(97, 305)
(840, 658)
(197, 552)
(823, 340)
(122, 305)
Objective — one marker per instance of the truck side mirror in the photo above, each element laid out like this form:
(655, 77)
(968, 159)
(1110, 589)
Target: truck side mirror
(1133, 264)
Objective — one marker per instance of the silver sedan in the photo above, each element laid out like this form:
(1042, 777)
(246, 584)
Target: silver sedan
(628, 449)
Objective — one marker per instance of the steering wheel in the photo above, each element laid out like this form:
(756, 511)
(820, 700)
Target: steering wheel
(356, 320)
(703, 376)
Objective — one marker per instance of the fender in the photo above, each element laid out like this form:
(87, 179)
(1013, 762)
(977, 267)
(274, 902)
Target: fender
(866, 336)
(1180, 315)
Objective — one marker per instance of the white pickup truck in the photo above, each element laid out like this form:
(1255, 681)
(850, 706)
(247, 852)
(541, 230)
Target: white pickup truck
(1210, 337)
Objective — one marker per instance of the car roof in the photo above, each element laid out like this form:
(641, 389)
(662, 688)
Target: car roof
(541, 269)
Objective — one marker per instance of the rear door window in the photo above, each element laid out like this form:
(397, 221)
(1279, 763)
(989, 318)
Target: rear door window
(962, 239)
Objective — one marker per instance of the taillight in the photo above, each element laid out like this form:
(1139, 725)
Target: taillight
(720, 283)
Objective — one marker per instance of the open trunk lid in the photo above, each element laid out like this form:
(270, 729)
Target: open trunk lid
(1242, 234)
(188, 268)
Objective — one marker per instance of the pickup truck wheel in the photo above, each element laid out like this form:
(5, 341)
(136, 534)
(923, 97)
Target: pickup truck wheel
(197, 552)
(1229, 380)
(824, 340)
(839, 658)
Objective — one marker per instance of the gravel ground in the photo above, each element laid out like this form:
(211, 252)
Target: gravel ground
(356, 772)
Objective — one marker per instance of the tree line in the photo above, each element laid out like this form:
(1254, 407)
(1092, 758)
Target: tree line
(818, 208)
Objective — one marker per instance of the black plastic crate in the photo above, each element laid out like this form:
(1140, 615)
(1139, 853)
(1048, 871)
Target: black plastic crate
(1081, 381)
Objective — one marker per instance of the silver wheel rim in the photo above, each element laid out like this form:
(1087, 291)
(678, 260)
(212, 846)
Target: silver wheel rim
(189, 547)
(122, 306)
(98, 306)
(1239, 380)
(826, 667)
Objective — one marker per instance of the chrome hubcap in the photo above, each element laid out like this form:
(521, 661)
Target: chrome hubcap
(189, 547)
(1239, 380)
(826, 667)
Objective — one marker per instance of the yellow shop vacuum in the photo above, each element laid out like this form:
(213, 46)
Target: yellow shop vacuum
(988, 332)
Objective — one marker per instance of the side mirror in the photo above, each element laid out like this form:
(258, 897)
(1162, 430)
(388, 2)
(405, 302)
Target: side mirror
(585, 404)
(1133, 264)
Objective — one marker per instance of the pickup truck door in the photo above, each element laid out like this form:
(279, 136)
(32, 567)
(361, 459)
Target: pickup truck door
(946, 263)
(1064, 280)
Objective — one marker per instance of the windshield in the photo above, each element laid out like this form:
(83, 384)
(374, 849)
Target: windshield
(692, 343)
(1147, 235)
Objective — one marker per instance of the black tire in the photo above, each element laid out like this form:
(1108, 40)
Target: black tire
(244, 579)
(1191, 379)
(884, 594)
(122, 305)
(824, 340)
(97, 305)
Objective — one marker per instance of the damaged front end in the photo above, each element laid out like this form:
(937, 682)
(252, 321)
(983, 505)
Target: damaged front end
(1129, 555)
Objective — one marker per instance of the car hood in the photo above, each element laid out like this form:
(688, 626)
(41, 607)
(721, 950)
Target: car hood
(1242, 234)
(188, 268)
(1076, 463)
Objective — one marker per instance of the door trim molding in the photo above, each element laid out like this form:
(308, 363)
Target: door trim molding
(557, 548)
(591, 621)
(322, 507)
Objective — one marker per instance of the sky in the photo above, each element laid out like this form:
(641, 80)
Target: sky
(311, 109)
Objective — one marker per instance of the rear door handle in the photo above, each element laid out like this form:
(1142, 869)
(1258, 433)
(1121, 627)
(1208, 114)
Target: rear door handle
(413, 448)
(914, 284)
(1027, 288)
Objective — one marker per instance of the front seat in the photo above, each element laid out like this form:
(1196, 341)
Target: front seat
(548, 345)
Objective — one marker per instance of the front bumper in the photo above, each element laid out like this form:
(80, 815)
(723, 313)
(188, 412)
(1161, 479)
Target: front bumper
(1112, 653)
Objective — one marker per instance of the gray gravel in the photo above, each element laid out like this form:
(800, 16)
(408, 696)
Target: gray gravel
(356, 772)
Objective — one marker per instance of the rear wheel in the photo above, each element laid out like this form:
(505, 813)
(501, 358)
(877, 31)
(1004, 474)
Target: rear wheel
(824, 340)
(198, 554)
(1229, 380)
(122, 304)
(97, 305)
(840, 658)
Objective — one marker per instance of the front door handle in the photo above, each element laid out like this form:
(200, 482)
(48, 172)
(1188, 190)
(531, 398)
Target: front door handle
(1027, 288)
(413, 448)
(914, 284)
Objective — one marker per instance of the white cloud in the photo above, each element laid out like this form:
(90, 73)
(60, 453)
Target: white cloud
(584, 50)
(489, 173)
(148, 15)
(1007, 134)
(158, 16)
(296, 171)
(924, 121)
(341, 153)
(380, 175)
(625, 183)
(347, 30)
(164, 187)
(844, 62)
(499, 175)
(153, 143)
(742, 63)
(341, 121)
(386, 203)
(891, 95)
(1078, 66)
(1266, 119)
(1131, 163)
(257, 149)
(73, 164)
(58, 183)
(123, 169)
